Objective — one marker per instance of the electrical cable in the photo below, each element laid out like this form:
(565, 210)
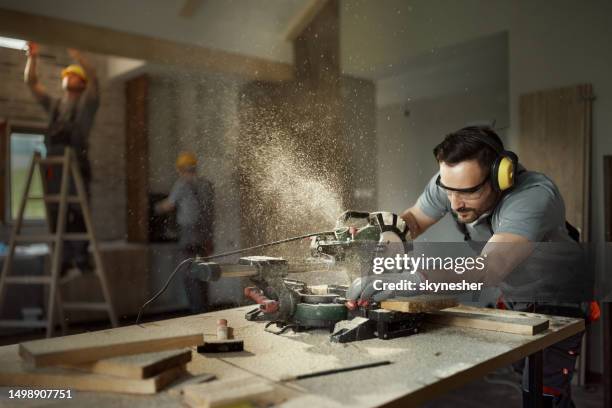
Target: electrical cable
(282, 241)
(221, 255)
(163, 289)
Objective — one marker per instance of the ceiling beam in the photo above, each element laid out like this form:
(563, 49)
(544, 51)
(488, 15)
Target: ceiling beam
(303, 18)
(64, 33)
(190, 7)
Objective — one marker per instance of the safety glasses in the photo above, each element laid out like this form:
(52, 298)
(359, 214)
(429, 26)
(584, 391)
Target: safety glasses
(471, 193)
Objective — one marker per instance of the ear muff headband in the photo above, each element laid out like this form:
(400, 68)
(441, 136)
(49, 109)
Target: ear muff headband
(503, 170)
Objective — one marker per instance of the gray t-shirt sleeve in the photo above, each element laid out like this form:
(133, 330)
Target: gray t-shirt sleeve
(433, 201)
(177, 192)
(530, 213)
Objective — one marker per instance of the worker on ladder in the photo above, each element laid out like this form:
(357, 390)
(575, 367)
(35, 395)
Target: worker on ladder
(71, 118)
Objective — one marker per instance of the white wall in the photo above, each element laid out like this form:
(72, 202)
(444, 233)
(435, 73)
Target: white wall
(436, 94)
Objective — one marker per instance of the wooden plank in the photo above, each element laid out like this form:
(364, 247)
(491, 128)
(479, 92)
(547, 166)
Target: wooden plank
(419, 304)
(65, 33)
(13, 373)
(138, 366)
(489, 321)
(93, 346)
(554, 139)
(137, 158)
(222, 393)
(495, 312)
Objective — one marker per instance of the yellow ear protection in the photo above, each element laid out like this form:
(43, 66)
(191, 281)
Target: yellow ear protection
(504, 168)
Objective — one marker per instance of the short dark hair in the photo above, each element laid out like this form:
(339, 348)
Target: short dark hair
(467, 144)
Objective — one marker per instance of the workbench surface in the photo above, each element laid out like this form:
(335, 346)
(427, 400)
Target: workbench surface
(423, 366)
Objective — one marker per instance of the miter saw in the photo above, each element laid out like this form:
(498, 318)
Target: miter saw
(286, 303)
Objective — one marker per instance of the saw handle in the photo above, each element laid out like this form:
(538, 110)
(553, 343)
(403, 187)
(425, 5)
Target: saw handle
(256, 295)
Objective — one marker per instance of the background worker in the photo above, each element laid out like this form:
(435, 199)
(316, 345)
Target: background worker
(71, 117)
(516, 218)
(192, 199)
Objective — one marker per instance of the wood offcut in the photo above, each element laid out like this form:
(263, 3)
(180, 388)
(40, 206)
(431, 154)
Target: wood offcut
(507, 321)
(138, 366)
(93, 346)
(419, 304)
(13, 373)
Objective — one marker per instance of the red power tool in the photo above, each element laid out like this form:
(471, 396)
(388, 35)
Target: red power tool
(256, 295)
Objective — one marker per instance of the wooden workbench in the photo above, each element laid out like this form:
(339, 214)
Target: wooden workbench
(424, 366)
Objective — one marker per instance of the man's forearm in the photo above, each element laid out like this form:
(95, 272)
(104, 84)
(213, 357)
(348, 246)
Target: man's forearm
(164, 206)
(29, 75)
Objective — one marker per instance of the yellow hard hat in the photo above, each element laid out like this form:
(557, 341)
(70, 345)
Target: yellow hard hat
(186, 160)
(76, 70)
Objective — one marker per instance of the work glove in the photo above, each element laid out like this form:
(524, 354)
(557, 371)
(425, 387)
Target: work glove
(368, 289)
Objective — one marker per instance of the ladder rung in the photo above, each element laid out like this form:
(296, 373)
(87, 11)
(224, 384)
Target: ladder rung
(52, 237)
(23, 323)
(85, 306)
(54, 198)
(25, 280)
(52, 160)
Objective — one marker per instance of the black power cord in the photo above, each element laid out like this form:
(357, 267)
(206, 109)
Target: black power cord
(221, 255)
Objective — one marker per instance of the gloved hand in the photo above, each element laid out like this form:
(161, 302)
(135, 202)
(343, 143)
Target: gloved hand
(368, 289)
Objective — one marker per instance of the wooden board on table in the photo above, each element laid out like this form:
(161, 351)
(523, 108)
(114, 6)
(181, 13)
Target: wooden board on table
(14, 373)
(419, 304)
(222, 393)
(122, 341)
(137, 366)
(496, 320)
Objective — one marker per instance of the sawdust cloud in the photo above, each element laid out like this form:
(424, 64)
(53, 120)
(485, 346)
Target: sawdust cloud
(290, 182)
(293, 167)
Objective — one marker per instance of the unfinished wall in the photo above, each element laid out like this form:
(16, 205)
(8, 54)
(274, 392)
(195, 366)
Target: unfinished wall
(359, 133)
(106, 140)
(196, 112)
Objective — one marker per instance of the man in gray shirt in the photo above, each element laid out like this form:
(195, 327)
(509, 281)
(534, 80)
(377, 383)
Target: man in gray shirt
(71, 118)
(516, 219)
(192, 199)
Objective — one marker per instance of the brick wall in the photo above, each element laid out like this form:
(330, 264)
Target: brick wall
(107, 139)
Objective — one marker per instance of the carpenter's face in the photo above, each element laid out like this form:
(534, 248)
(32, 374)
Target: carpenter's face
(73, 82)
(468, 189)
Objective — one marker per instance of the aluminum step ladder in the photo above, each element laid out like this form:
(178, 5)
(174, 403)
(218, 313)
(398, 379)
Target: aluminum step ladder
(55, 240)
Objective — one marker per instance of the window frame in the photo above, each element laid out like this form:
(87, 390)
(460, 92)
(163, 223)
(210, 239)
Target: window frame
(8, 208)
